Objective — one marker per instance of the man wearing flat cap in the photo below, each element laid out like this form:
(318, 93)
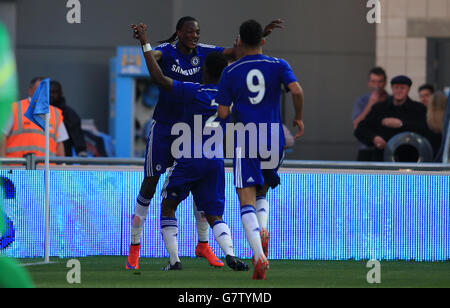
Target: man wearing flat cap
(395, 115)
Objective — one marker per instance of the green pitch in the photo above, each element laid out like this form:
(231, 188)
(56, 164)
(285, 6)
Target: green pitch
(110, 272)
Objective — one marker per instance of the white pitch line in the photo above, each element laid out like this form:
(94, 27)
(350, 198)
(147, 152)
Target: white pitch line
(37, 263)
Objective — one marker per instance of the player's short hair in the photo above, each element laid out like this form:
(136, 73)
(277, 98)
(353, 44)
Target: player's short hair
(251, 33)
(180, 24)
(34, 80)
(215, 62)
(379, 71)
(428, 87)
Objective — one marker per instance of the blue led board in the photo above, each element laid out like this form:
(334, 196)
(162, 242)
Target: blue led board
(313, 216)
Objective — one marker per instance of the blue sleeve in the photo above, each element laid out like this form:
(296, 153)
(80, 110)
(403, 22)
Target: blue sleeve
(185, 91)
(163, 49)
(359, 106)
(224, 96)
(219, 49)
(287, 75)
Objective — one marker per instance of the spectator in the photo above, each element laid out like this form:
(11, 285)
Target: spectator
(22, 137)
(395, 115)
(446, 130)
(435, 119)
(71, 120)
(362, 106)
(425, 93)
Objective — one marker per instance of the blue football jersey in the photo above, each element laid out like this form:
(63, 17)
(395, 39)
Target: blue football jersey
(199, 99)
(253, 85)
(179, 67)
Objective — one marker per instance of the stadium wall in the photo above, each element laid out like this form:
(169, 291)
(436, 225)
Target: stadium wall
(401, 40)
(329, 44)
(314, 215)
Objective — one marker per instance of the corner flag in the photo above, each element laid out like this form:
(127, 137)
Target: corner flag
(39, 104)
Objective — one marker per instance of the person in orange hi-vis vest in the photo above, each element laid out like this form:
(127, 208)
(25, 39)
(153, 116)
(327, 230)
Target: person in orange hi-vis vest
(22, 137)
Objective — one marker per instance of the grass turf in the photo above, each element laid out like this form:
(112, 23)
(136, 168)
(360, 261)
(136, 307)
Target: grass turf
(109, 271)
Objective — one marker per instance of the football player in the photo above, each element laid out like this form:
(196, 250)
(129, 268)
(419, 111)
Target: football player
(181, 58)
(203, 176)
(253, 85)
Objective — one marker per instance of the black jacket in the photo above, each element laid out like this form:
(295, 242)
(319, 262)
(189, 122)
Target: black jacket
(411, 113)
(72, 122)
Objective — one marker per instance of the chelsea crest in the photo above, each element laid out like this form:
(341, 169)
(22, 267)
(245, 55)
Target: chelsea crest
(195, 61)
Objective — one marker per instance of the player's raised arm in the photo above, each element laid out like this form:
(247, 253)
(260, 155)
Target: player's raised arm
(298, 100)
(232, 52)
(276, 23)
(157, 54)
(153, 67)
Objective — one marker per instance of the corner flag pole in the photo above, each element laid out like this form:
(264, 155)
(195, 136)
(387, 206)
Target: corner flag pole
(47, 182)
(38, 112)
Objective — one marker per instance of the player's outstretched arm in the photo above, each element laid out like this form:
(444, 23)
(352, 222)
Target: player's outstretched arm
(276, 23)
(143, 40)
(298, 100)
(153, 67)
(232, 52)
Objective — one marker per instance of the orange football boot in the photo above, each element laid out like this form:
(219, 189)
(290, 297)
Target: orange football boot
(259, 273)
(133, 257)
(203, 250)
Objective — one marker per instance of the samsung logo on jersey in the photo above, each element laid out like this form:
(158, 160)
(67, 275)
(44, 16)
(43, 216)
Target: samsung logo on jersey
(189, 72)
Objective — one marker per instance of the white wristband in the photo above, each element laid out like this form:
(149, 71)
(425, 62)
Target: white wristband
(147, 47)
